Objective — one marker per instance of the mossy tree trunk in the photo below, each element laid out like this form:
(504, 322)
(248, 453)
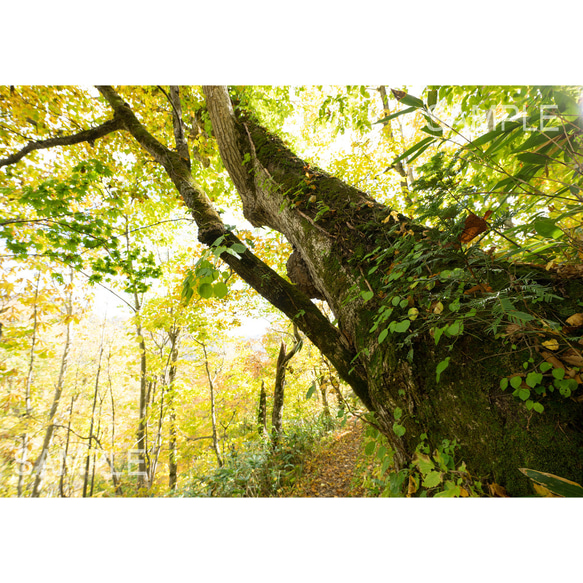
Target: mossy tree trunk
(337, 229)
(262, 411)
(343, 239)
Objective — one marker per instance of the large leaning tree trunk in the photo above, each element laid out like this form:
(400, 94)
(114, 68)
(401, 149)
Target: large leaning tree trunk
(342, 240)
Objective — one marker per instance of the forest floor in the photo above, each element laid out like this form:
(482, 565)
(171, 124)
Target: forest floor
(330, 471)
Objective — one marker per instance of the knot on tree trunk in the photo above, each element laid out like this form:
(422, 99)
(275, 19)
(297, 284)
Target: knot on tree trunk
(298, 272)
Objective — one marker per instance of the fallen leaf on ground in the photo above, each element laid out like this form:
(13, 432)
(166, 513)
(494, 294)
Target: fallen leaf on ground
(551, 344)
(575, 320)
(552, 359)
(572, 357)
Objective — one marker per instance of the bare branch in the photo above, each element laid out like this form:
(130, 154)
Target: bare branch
(85, 136)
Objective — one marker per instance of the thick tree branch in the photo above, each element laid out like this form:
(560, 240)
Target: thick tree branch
(85, 136)
(276, 290)
(178, 124)
(208, 220)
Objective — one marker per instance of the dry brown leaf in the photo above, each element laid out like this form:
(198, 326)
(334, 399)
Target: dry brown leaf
(478, 289)
(474, 226)
(398, 94)
(512, 328)
(575, 320)
(572, 357)
(552, 359)
(570, 271)
(497, 490)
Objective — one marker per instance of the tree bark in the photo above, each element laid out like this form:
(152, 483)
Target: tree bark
(497, 435)
(211, 379)
(320, 381)
(174, 334)
(27, 393)
(63, 469)
(41, 460)
(92, 421)
(262, 411)
(279, 387)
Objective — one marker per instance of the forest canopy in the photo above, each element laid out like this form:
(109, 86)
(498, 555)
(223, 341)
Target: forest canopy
(414, 253)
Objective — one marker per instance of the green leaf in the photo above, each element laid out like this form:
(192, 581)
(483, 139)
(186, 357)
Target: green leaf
(424, 463)
(567, 105)
(367, 295)
(547, 228)
(484, 139)
(402, 326)
(533, 379)
(220, 289)
(555, 484)
(238, 248)
(205, 290)
(538, 407)
(441, 367)
(437, 332)
(383, 335)
(533, 158)
(521, 316)
(515, 382)
(426, 141)
(452, 492)
(370, 447)
(386, 464)
(433, 131)
(432, 479)
(559, 373)
(399, 430)
(504, 383)
(311, 390)
(397, 413)
(524, 394)
(431, 97)
(412, 101)
(396, 114)
(544, 366)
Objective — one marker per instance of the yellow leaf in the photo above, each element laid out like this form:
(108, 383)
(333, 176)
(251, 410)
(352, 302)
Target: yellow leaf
(463, 493)
(438, 308)
(575, 320)
(542, 491)
(413, 486)
(551, 344)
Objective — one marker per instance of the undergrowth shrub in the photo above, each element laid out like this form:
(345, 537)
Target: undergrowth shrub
(261, 469)
(431, 473)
